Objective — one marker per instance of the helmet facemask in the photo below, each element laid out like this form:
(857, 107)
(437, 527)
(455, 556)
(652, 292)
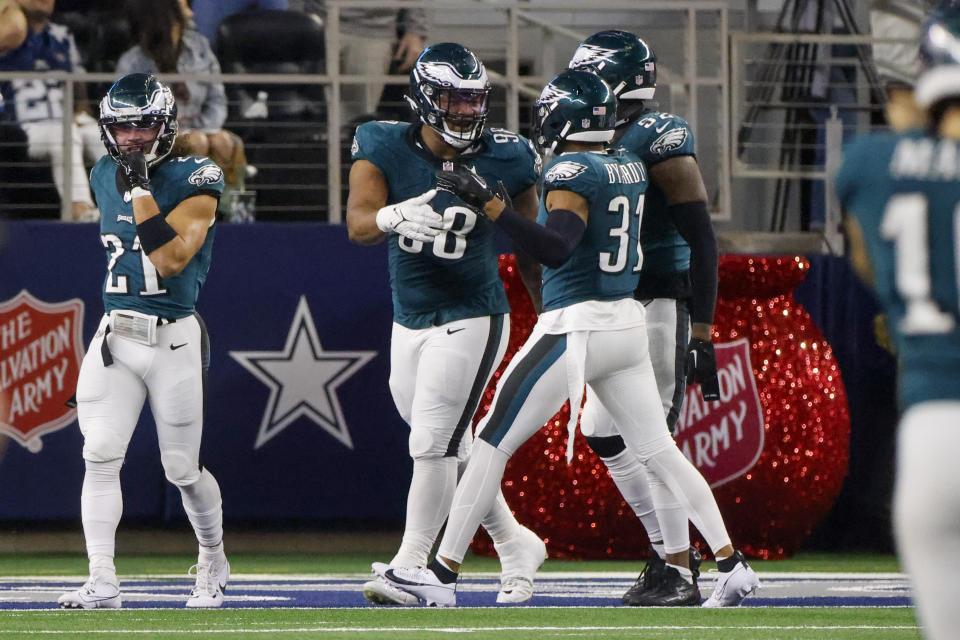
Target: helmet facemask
(450, 93)
(142, 102)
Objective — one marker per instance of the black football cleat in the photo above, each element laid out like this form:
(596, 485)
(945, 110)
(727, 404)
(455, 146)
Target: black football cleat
(674, 591)
(647, 582)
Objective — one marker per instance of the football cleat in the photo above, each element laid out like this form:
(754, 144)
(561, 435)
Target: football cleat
(520, 558)
(651, 578)
(674, 591)
(100, 591)
(212, 576)
(420, 582)
(379, 591)
(733, 586)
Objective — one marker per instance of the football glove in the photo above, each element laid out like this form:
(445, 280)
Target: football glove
(466, 185)
(133, 171)
(413, 218)
(702, 368)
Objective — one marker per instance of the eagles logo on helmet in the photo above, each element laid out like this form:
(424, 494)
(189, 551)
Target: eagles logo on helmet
(623, 60)
(567, 109)
(449, 91)
(140, 100)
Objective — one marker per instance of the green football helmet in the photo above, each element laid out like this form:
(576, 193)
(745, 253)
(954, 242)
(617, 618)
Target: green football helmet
(576, 105)
(624, 61)
(939, 76)
(139, 100)
(450, 92)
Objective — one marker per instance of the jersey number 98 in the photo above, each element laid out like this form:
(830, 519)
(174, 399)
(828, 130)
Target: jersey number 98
(451, 243)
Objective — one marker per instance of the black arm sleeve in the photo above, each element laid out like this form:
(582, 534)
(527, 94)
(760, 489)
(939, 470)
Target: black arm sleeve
(551, 244)
(693, 222)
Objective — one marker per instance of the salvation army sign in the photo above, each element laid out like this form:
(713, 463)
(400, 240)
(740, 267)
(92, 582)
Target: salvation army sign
(40, 355)
(724, 438)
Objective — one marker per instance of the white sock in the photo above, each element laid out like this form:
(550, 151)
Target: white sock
(475, 495)
(499, 521)
(428, 502)
(101, 505)
(658, 548)
(103, 565)
(684, 572)
(631, 479)
(672, 517)
(202, 503)
(692, 492)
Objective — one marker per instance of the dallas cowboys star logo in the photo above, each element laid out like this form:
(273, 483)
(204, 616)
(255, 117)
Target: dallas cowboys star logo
(303, 379)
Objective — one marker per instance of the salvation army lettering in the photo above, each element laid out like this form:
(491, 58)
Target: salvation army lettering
(40, 354)
(774, 447)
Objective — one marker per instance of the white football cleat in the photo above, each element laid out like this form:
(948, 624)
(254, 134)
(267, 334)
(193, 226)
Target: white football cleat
(520, 558)
(379, 591)
(733, 586)
(100, 591)
(212, 577)
(420, 582)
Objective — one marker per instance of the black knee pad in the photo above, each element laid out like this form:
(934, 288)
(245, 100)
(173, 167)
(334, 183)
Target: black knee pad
(607, 446)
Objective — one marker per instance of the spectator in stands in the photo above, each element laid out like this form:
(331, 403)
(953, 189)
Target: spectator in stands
(368, 43)
(30, 42)
(170, 43)
(209, 13)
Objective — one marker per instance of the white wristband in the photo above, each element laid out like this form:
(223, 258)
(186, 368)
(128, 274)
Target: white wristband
(139, 192)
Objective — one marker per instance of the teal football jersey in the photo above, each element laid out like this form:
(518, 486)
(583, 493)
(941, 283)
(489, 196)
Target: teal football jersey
(655, 137)
(456, 276)
(904, 191)
(132, 282)
(606, 263)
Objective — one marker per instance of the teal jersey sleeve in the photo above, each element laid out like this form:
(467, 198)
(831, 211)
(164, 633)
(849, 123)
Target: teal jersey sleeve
(376, 142)
(655, 137)
(605, 264)
(572, 172)
(521, 163)
(131, 281)
(658, 136)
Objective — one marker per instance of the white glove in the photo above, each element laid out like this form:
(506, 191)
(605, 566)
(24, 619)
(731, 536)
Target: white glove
(412, 218)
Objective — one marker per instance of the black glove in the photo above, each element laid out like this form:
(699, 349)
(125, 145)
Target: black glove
(467, 185)
(702, 368)
(133, 171)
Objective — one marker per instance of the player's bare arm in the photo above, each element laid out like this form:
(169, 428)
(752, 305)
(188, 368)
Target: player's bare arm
(679, 178)
(13, 26)
(526, 204)
(859, 257)
(370, 218)
(190, 219)
(368, 193)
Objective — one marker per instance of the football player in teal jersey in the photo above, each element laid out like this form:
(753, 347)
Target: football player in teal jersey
(901, 194)
(678, 287)
(156, 226)
(591, 331)
(450, 311)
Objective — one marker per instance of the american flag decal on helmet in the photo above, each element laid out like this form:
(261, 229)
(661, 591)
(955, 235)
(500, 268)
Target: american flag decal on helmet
(599, 111)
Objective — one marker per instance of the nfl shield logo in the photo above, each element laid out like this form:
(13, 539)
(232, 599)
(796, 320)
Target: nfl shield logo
(585, 123)
(447, 165)
(40, 355)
